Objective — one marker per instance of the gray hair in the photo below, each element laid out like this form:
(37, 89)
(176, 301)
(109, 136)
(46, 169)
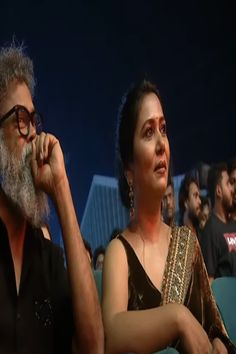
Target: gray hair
(15, 66)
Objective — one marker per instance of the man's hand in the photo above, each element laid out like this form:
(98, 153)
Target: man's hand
(48, 166)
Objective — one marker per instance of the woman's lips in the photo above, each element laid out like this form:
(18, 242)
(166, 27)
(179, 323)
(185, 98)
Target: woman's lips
(161, 167)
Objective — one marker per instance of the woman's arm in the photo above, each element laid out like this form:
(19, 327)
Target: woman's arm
(143, 331)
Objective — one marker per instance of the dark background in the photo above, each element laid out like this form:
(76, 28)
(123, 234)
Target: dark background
(87, 53)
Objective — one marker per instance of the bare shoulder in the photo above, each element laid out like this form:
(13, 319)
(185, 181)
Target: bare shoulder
(115, 257)
(115, 248)
(115, 279)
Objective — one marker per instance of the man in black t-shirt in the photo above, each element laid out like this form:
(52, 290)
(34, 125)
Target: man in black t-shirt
(42, 306)
(232, 178)
(218, 239)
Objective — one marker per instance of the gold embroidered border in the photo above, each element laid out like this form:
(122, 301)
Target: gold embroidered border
(180, 258)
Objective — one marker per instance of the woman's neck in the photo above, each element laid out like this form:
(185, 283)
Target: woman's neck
(147, 222)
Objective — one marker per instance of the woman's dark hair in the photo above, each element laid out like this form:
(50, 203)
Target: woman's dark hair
(127, 121)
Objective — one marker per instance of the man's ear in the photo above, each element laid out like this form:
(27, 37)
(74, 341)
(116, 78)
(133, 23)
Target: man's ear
(218, 191)
(186, 204)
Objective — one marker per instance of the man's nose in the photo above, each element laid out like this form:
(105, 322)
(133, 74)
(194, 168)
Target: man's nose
(32, 132)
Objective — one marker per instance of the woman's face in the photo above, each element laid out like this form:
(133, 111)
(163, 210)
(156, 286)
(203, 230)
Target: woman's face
(151, 152)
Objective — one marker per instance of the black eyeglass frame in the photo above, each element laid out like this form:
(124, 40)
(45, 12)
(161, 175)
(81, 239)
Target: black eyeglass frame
(34, 118)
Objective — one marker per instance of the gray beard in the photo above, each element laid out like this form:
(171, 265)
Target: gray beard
(16, 181)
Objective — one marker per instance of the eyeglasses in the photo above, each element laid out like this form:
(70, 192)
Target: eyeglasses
(24, 118)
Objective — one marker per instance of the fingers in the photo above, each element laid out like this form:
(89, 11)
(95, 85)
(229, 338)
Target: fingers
(218, 347)
(41, 144)
(34, 164)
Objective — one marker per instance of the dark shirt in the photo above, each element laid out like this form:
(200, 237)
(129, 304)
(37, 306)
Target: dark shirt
(218, 242)
(37, 320)
(142, 292)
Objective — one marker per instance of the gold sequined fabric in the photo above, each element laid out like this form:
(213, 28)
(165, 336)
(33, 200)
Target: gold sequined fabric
(179, 263)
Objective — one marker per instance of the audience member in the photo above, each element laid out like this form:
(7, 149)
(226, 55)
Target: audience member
(218, 239)
(204, 212)
(232, 177)
(189, 204)
(98, 258)
(156, 291)
(168, 204)
(37, 295)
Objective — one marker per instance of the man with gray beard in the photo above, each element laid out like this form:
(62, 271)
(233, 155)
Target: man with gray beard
(17, 183)
(44, 308)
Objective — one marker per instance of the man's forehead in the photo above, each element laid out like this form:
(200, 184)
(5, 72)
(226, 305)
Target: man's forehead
(169, 189)
(225, 175)
(18, 93)
(193, 187)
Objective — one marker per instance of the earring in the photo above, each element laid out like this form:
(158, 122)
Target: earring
(131, 200)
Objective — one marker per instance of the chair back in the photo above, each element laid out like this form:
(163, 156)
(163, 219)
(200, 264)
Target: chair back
(224, 291)
(98, 280)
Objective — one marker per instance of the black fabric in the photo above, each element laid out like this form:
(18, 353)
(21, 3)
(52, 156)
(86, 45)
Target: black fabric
(39, 319)
(218, 243)
(142, 292)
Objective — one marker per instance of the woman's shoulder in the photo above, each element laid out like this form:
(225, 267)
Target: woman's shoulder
(115, 246)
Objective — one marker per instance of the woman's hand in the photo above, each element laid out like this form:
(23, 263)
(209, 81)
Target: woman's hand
(218, 347)
(194, 339)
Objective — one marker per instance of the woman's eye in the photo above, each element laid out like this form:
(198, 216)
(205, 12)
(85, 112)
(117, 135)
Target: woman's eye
(163, 128)
(149, 132)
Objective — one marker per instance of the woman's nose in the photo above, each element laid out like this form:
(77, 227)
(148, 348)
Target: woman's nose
(160, 143)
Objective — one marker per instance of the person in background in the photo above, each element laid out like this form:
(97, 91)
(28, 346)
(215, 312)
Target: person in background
(168, 204)
(44, 308)
(204, 213)
(98, 258)
(190, 204)
(155, 287)
(232, 178)
(218, 240)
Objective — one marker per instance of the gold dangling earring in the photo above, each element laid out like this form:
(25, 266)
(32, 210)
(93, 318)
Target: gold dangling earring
(131, 200)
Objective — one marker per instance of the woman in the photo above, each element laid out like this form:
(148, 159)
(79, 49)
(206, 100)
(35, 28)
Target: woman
(155, 289)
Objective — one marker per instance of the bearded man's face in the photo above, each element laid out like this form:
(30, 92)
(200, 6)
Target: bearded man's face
(16, 181)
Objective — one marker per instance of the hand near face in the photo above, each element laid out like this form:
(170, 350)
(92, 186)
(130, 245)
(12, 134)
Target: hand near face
(48, 166)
